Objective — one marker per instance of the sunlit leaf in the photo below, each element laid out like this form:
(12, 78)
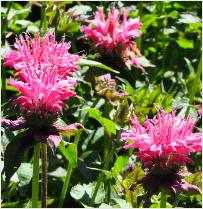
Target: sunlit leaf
(93, 63)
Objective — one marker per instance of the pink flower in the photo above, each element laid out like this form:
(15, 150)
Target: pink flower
(164, 141)
(40, 53)
(43, 69)
(44, 78)
(113, 36)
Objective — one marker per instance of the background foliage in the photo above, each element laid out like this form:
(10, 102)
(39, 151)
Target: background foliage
(171, 44)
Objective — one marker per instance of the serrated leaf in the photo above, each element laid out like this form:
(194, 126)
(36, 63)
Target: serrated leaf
(92, 63)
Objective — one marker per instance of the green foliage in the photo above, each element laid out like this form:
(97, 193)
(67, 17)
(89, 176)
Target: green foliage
(120, 163)
(14, 153)
(69, 153)
(83, 193)
(92, 63)
(171, 55)
(109, 126)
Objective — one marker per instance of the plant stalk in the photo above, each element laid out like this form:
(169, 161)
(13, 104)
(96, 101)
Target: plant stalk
(65, 186)
(68, 174)
(35, 177)
(70, 167)
(101, 176)
(44, 175)
(163, 200)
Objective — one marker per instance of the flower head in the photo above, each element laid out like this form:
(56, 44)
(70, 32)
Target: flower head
(114, 36)
(43, 70)
(44, 78)
(164, 141)
(41, 52)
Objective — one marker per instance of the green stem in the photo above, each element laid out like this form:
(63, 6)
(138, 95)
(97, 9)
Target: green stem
(44, 175)
(194, 86)
(96, 189)
(101, 176)
(35, 178)
(65, 186)
(70, 168)
(163, 200)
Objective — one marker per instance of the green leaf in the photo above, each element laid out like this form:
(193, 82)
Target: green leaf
(80, 9)
(32, 29)
(173, 14)
(185, 43)
(24, 173)
(107, 173)
(122, 203)
(144, 62)
(130, 182)
(69, 153)
(120, 163)
(92, 63)
(83, 193)
(190, 67)
(109, 126)
(23, 23)
(15, 151)
(195, 179)
(189, 18)
(104, 205)
(147, 20)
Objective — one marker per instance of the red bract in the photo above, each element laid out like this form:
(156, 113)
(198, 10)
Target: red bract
(43, 69)
(164, 141)
(113, 36)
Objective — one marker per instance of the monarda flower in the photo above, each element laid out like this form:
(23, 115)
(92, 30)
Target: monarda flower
(163, 146)
(115, 37)
(44, 78)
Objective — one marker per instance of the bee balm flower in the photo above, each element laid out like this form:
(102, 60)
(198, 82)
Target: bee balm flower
(113, 36)
(44, 78)
(164, 144)
(43, 70)
(165, 140)
(41, 52)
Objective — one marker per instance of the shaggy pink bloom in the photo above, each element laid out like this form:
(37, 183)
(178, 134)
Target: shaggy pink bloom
(114, 36)
(40, 53)
(165, 140)
(43, 71)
